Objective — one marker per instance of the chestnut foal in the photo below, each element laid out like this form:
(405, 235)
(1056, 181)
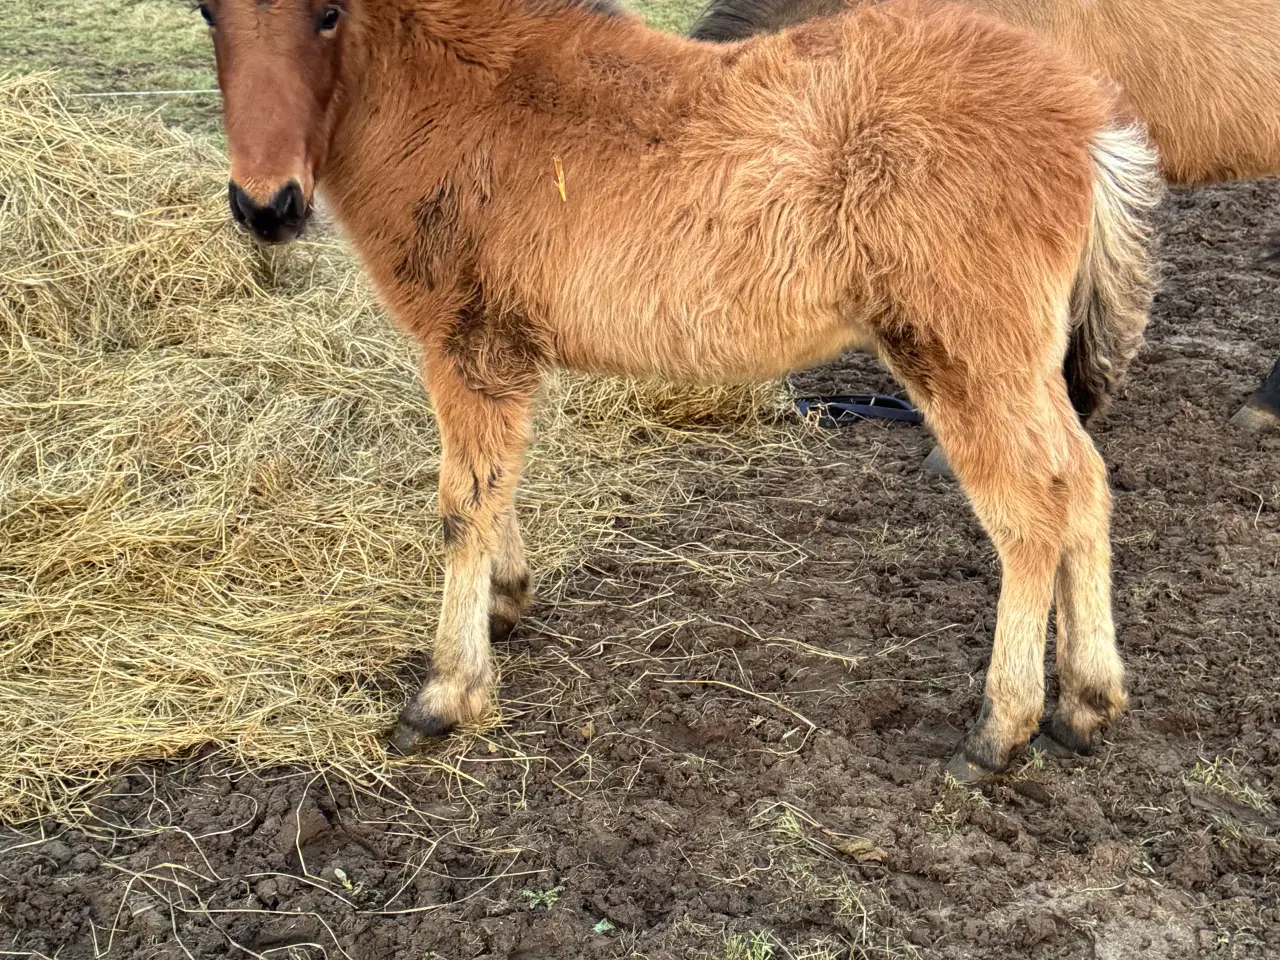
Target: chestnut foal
(534, 183)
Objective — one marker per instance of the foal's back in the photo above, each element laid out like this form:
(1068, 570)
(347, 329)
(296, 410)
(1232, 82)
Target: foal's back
(779, 178)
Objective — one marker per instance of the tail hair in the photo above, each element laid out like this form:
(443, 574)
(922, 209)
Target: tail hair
(1117, 279)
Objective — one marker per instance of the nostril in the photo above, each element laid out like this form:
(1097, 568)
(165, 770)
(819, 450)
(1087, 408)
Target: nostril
(277, 221)
(288, 202)
(240, 203)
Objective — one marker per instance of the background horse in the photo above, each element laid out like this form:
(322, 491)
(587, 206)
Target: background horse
(1203, 75)
(533, 183)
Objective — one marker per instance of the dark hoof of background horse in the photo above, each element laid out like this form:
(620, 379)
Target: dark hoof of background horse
(1262, 412)
(1256, 418)
(936, 463)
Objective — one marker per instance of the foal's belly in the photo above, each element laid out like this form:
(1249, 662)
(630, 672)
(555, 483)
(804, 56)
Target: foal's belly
(696, 341)
(701, 336)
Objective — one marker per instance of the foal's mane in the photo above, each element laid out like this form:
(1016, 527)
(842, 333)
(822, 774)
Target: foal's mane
(604, 8)
(724, 20)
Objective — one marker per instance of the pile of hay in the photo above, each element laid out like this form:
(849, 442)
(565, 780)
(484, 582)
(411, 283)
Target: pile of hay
(217, 484)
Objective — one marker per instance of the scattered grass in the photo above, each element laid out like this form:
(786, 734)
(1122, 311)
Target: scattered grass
(755, 945)
(674, 16)
(765, 945)
(545, 899)
(1222, 775)
(793, 828)
(813, 860)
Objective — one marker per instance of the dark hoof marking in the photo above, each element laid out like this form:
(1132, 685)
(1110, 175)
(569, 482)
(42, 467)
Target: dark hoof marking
(500, 628)
(417, 725)
(963, 770)
(936, 463)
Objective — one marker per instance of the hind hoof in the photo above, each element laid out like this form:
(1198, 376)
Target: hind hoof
(1059, 738)
(501, 628)
(1052, 748)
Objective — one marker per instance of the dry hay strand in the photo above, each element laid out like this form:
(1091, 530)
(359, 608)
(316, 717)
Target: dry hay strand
(217, 490)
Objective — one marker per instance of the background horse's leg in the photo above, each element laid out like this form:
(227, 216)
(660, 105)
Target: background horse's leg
(1262, 411)
(482, 437)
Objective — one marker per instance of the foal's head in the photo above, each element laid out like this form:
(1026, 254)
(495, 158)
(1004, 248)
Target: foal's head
(278, 66)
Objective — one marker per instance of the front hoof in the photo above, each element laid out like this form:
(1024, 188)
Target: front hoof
(440, 705)
(967, 771)
(989, 746)
(404, 741)
(414, 728)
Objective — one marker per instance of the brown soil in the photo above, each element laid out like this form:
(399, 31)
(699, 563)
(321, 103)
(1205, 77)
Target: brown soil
(751, 769)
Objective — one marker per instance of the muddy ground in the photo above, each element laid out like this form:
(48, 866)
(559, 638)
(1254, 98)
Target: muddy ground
(751, 769)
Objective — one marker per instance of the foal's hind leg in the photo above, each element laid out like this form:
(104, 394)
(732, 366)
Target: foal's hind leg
(1007, 443)
(1090, 674)
(482, 437)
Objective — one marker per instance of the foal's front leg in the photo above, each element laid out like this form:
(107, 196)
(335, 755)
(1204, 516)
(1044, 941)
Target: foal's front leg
(483, 434)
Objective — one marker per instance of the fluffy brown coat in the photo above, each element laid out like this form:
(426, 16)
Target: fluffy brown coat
(549, 183)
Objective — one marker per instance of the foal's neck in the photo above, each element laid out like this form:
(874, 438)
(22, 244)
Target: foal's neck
(469, 43)
(420, 95)
(431, 62)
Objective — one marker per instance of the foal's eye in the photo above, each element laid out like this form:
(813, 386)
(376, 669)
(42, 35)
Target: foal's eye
(329, 19)
(206, 13)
